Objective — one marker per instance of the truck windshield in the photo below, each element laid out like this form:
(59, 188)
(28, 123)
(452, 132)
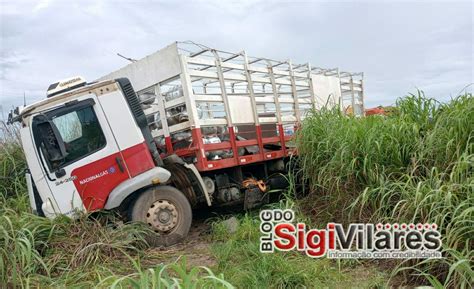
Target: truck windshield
(80, 132)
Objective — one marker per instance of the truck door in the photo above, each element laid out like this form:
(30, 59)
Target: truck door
(81, 160)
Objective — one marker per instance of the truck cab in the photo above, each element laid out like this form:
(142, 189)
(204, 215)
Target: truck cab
(88, 148)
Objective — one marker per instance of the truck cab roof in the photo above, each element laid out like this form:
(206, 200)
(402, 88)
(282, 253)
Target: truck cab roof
(63, 97)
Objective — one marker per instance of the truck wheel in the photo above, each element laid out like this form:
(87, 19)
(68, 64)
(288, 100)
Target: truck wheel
(167, 211)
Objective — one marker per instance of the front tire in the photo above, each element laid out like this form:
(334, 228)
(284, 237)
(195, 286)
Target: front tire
(167, 211)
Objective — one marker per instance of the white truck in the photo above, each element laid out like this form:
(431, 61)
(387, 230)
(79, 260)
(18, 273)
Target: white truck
(183, 128)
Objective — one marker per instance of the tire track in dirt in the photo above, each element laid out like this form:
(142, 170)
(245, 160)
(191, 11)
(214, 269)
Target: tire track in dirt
(195, 248)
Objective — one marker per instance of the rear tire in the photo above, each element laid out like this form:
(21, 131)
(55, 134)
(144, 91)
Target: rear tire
(167, 211)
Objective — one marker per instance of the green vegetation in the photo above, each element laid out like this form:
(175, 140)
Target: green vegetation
(415, 166)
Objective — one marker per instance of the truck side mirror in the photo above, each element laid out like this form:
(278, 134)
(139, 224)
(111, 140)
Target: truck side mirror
(60, 173)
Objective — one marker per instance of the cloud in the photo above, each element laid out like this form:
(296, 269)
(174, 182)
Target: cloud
(400, 46)
(42, 4)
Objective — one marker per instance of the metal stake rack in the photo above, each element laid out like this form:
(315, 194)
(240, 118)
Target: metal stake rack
(218, 109)
(352, 93)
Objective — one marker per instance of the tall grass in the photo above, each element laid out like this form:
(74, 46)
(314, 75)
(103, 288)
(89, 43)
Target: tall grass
(12, 170)
(415, 165)
(174, 275)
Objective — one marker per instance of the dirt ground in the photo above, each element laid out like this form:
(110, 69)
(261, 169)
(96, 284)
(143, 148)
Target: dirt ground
(196, 248)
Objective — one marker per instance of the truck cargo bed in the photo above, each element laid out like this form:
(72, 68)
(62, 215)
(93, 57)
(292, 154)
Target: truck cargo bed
(218, 109)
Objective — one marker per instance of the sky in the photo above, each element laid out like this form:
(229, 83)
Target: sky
(400, 46)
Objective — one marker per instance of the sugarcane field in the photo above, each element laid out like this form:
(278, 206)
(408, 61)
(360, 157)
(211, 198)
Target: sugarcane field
(236, 144)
